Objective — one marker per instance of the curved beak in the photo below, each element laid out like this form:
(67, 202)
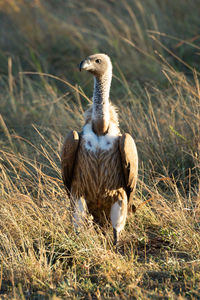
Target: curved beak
(84, 64)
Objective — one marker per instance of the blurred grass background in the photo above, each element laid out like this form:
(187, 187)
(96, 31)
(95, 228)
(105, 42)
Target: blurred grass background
(154, 47)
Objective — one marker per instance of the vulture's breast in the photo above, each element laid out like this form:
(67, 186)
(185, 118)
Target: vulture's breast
(98, 171)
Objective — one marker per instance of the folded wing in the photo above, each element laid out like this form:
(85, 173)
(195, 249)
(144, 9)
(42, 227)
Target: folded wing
(68, 158)
(129, 159)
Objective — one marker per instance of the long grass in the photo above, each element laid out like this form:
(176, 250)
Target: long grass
(156, 89)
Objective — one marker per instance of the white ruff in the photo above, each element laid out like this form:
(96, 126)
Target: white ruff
(94, 142)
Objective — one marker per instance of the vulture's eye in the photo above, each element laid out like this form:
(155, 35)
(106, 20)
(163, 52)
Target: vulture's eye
(98, 61)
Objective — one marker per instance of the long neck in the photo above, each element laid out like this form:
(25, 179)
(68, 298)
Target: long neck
(101, 105)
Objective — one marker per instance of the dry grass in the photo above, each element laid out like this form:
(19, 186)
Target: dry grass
(158, 96)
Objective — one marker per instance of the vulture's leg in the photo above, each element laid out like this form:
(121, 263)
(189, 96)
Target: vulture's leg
(79, 212)
(118, 217)
(115, 236)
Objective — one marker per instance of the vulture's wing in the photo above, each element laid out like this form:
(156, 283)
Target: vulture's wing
(129, 159)
(68, 158)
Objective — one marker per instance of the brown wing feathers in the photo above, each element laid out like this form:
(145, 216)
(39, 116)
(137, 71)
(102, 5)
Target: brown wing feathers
(129, 160)
(68, 158)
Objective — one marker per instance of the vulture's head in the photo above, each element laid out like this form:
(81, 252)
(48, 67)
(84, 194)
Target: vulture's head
(97, 64)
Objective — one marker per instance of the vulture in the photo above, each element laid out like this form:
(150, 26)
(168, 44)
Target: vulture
(99, 164)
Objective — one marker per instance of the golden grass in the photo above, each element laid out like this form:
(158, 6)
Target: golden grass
(40, 249)
(161, 243)
(158, 101)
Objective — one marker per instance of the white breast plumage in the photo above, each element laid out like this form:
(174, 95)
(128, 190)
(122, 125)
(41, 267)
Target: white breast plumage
(94, 142)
